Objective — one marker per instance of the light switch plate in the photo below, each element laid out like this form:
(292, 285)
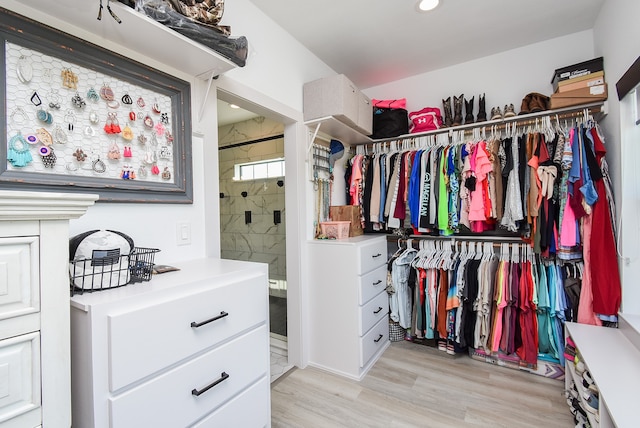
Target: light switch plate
(183, 233)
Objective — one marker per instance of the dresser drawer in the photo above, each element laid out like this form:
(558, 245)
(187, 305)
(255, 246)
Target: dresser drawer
(235, 414)
(168, 401)
(373, 341)
(19, 276)
(145, 340)
(372, 283)
(20, 380)
(372, 255)
(373, 311)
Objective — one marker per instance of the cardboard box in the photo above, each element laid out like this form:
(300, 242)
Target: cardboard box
(350, 213)
(337, 96)
(579, 96)
(576, 70)
(586, 82)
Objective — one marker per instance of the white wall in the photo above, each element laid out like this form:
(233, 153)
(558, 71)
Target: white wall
(277, 65)
(617, 39)
(505, 78)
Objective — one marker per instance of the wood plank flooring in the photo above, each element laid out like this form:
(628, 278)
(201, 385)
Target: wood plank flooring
(415, 386)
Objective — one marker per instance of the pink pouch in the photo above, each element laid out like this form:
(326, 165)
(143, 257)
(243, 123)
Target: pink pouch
(427, 119)
(399, 103)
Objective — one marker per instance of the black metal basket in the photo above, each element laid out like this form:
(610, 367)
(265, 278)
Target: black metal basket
(108, 270)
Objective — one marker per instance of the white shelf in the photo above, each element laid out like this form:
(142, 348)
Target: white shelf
(137, 32)
(336, 129)
(614, 364)
(333, 128)
(578, 381)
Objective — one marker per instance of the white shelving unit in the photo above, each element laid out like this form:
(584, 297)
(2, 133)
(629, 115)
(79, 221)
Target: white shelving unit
(570, 375)
(329, 125)
(137, 31)
(614, 363)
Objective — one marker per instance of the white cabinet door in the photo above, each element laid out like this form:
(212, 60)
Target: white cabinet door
(19, 276)
(20, 381)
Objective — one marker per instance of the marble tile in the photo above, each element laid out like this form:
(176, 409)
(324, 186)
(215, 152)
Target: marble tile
(227, 241)
(263, 224)
(255, 204)
(263, 150)
(274, 202)
(249, 242)
(227, 204)
(233, 223)
(226, 155)
(275, 244)
(226, 169)
(279, 366)
(281, 266)
(280, 145)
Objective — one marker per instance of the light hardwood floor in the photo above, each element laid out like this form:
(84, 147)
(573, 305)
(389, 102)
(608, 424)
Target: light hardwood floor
(415, 386)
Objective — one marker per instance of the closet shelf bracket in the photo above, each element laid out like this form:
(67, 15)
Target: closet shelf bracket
(212, 76)
(313, 138)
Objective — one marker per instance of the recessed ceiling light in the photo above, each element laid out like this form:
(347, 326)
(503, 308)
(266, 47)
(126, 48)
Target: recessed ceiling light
(426, 5)
(233, 106)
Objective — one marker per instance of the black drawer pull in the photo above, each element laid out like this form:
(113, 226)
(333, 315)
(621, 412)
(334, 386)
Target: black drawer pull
(217, 317)
(376, 255)
(378, 311)
(378, 282)
(378, 339)
(223, 377)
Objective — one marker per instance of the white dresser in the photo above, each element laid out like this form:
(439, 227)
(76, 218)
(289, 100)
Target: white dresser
(348, 315)
(35, 381)
(188, 348)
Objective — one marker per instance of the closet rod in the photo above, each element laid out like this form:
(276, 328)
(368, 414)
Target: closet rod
(497, 239)
(520, 120)
(495, 243)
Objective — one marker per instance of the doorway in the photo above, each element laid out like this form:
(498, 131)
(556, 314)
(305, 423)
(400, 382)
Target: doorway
(252, 200)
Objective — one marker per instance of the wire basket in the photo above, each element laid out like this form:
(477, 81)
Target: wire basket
(110, 269)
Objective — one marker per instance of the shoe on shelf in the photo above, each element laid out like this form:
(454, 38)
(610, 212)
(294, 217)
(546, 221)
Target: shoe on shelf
(586, 376)
(509, 111)
(496, 113)
(576, 407)
(570, 353)
(579, 367)
(581, 421)
(591, 400)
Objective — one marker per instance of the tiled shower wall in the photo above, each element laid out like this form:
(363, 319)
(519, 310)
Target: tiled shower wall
(261, 240)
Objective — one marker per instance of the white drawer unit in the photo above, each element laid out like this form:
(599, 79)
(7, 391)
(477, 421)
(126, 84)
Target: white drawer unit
(349, 305)
(35, 374)
(174, 351)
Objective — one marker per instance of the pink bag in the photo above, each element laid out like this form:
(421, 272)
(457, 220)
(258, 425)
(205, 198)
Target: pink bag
(427, 119)
(399, 103)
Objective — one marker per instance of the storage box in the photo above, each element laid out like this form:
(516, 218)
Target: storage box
(337, 96)
(579, 96)
(585, 81)
(576, 70)
(335, 229)
(365, 115)
(350, 213)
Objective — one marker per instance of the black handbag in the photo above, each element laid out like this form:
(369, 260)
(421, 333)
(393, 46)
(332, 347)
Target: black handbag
(389, 122)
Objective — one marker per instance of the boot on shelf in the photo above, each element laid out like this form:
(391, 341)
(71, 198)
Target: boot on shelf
(457, 110)
(482, 109)
(448, 119)
(468, 108)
